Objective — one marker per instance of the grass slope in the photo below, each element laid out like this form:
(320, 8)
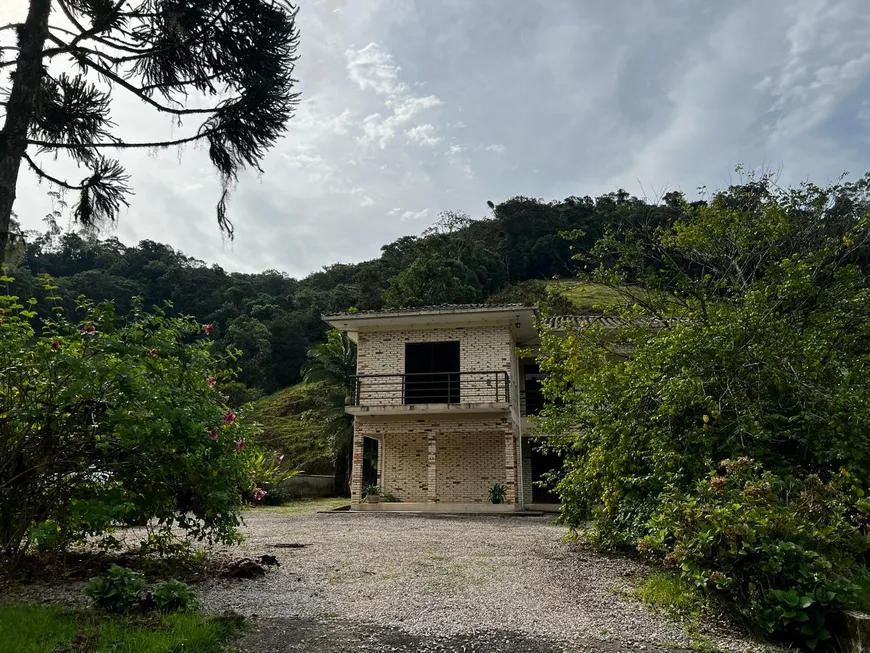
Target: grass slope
(50, 629)
(594, 299)
(293, 420)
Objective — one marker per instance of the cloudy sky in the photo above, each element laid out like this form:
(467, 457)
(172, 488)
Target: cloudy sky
(411, 107)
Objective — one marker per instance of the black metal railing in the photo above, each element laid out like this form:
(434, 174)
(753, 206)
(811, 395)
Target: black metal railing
(431, 388)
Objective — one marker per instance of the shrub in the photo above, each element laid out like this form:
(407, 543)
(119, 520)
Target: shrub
(174, 596)
(268, 474)
(110, 420)
(119, 591)
(784, 551)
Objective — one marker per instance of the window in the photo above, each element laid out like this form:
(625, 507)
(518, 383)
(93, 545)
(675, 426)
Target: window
(534, 395)
(432, 373)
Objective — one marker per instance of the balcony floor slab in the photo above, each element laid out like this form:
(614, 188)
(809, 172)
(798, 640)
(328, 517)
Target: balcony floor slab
(429, 409)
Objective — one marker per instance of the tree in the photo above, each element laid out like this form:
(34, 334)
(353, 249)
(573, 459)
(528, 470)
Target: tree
(334, 363)
(734, 441)
(109, 420)
(238, 56)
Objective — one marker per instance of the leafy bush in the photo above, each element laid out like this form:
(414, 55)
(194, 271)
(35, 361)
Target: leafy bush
(119, 591)
(784, 551)
(747, 336)
(174, 596)
(110, 420)
(268, 474)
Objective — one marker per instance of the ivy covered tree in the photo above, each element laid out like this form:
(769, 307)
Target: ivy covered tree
(226, 65)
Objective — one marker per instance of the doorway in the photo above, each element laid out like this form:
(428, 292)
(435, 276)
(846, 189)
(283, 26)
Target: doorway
(432, 373)
(544, 463)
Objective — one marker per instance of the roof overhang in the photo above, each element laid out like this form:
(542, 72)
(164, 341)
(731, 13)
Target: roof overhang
(520, 319)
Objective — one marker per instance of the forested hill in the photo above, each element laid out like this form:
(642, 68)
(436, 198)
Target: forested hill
(274, 319)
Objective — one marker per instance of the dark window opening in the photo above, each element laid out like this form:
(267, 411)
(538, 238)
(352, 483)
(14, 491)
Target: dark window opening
(432, 373)
(544, 463)
(534, 395)
(370, 462)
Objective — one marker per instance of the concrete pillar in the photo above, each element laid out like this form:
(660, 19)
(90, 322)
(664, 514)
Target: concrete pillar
(356, 475)
(510, 468)
(432, 469)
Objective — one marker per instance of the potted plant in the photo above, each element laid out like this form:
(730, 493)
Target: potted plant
(497, 493)
(372, 494)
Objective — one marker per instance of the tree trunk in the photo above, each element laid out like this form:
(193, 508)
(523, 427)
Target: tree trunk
(19, 110)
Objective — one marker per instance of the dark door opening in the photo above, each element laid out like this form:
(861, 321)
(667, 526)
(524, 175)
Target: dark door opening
(432, 373)
(370, 462)
(534, 396)
(543, 464)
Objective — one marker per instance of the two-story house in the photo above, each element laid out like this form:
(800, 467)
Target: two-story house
(443, 394)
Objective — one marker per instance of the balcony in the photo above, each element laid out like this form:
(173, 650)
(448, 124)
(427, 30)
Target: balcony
(432, 392)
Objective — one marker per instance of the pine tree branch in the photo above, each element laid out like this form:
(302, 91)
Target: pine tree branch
(44, 175)
(123, 83)
(119, 144)
(93, 35)
(65, 48)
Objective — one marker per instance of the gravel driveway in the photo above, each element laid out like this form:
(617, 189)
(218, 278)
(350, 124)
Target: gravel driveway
(387, 582)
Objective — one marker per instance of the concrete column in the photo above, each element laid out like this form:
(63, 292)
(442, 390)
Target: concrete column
(432, 469)
(510, 468)
(356, 475)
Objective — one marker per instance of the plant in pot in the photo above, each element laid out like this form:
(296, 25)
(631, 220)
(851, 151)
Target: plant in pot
(372, 494)
(497, 493)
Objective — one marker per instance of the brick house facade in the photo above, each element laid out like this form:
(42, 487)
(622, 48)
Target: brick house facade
(441, 391)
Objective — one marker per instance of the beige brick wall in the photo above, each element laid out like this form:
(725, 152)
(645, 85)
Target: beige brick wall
(468, 465)
(468, 455)
(481, 349)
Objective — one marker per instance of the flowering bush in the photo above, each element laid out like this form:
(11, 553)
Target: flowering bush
(784, 551)
(110, 420)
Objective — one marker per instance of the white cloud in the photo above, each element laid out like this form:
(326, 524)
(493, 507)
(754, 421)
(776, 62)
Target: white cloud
(423, 135)
(414, 215)
(822, 66)
(373, 69)
(498, 149)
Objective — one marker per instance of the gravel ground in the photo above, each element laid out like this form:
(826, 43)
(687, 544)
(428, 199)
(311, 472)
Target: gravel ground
(366, 582)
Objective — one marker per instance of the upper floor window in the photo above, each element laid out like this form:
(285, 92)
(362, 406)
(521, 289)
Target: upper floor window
(432, 373)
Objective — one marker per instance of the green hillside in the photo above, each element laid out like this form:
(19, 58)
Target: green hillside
(293, 421)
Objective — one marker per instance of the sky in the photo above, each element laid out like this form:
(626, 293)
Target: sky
(412, 107)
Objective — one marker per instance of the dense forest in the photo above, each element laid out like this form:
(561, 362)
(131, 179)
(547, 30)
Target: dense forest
(275, 319)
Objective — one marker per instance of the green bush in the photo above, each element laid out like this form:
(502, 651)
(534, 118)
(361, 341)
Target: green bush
(107, 420)
(268, 473)
(748, 337)
(784, 551)
(120, 590)
(174, 596)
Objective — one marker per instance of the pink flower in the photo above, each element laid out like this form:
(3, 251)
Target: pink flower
(259, 494)
(229, 418)
(152, 352)
(55, 345)
(240, 444)
(212, 434)
(88, 329)
(211, 381)
(208, 328)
